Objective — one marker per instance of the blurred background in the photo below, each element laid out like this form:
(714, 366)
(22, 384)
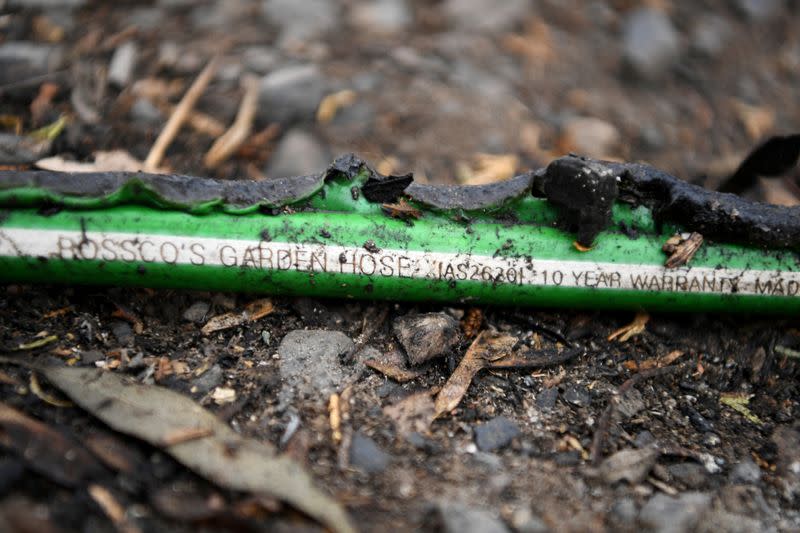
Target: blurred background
(457, 91)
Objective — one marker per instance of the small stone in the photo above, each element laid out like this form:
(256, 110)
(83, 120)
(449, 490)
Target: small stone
(197, 312)
(298, 154)
(667, 514)
(495, 434)
(366, 455)
(300, 21)
(546, 399)
(629, 465)
(381, 16)
(487, 15)
(759, 10)
(310, 363)
(291, 93)
(123, 62)
(524, 521)
(144, 112)
(45, 4)
(21, 150)
(710, 34)
(208, 380)
(259, 59)
(644, 438)
(650, 43)
(630, 403)
(426, 336)
(459, 518)
(577, 395)
(123, 333)
(623, 513)
(690, 475)
(22, 60)
(718, 520)
(90, 357)
(223, 395)
(746, 473)
(169, 53)
(590, 136)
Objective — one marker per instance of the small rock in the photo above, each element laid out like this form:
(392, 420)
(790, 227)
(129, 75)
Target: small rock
(298, 154)
(487, 15)
(381, 16)
(690, 475)
(144, 112)
(300, 21)
(623, 514)
(169, 53)
(667, 514)
(366, 455)
(718, 520)
(22, 60)
(495, 434)
(123, 333)
(630, 403)
(577, 395)
(746, 473)
(546, 399)
(426, 336)
(459, 518)
(123, 62)
(524, 521)
(197, 312)
(291, 93)
(223, 395)
(590, 136)
(759, 10)
(644, 438)
(650, 43)
(310, 362)
(710, 34)
(259, 59)
(90, 357)
(21, 150)
(630, 465)
(208, 380)
(45, 4)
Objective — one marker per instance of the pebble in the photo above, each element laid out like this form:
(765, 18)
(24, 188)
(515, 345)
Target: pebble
(710, 34)
(623, 514)
(260, 59)
(719, 520)
(590, 136)
(690, 475)
(381, 16)
(90, 357)
(366, 455)
(459, 518)
(426, 336)
(576, 395)
(309, 362)
(123, 333)
(196, 312)
(746, 473)
(667, 514)
(301, 21)
(208, 380)
(525, 521)
(650, 43)
(123, 63)
(144, 112)
(631, 403)
(298, 154)
(45, 4)
(631, 465)
(21, 60)
(759, 10)
(291, 93)
(21, 150)
(495, 434)
(487, 15)
(546, 399)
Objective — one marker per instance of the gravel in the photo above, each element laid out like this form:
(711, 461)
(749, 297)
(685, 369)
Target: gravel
(291, 93)
(298, 153)
(310, 362)
(495, 434)
(366, 455)
(650, 43)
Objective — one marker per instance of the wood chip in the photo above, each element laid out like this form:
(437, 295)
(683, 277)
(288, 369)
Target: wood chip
(331, 104)
(681, 248)
(229, 142)
(636, 327)
(395, 372)
(252, 312)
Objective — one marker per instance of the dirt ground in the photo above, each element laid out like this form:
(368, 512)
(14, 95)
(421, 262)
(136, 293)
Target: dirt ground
(688, 425)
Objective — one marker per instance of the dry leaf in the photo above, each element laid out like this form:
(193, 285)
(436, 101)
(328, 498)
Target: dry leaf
(331, 104)
(631, 330)
(114, 160)
(152, 413)
(252, 312)
(488, 346)
(395, 372)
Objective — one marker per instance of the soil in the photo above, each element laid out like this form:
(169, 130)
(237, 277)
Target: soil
(431, 97)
